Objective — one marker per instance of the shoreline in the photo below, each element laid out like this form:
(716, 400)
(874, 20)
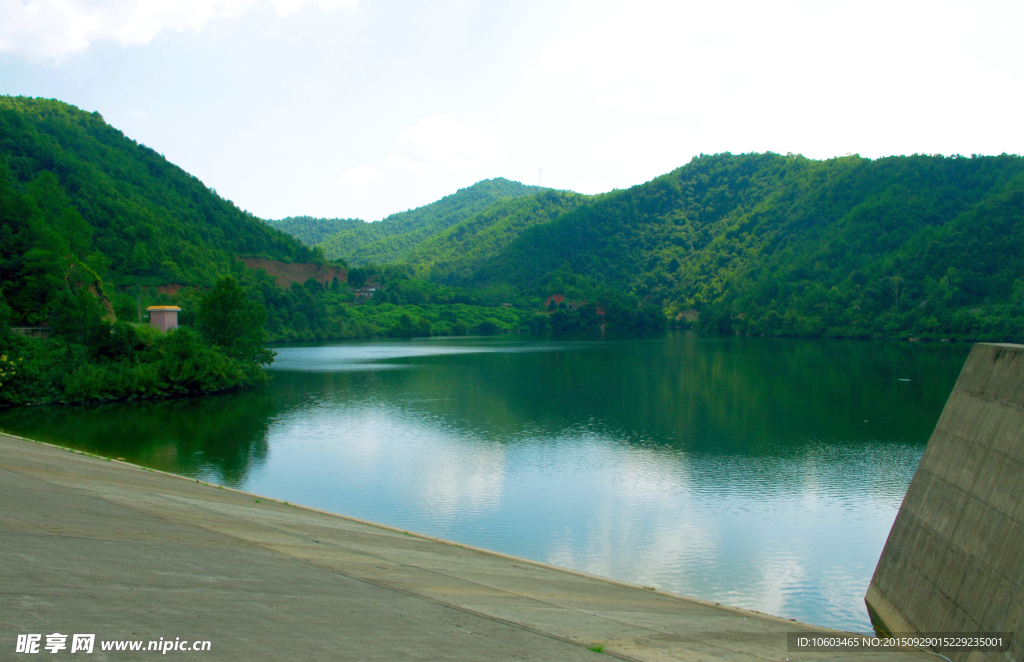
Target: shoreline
(219, 533)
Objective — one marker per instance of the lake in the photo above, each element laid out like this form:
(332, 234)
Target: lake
(756, 472)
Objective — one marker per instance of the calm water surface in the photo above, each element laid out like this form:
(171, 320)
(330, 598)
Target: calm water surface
(760, 473)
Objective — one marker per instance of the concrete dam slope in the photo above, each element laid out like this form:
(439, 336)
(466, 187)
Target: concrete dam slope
(89, 545)
(954, 560)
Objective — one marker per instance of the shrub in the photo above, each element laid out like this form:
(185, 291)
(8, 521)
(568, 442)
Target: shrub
(489, 327)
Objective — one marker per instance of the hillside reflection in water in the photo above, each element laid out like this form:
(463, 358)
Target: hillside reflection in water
(760, 473)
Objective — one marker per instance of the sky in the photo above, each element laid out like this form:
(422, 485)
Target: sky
(363, 108)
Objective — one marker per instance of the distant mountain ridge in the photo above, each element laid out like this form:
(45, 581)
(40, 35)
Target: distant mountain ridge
(788, 245)
(749, 243)
(311, 231)
(764, 243)
(454, 254)
(387, 240)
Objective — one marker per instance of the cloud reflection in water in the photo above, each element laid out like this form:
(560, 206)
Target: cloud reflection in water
(741, 471)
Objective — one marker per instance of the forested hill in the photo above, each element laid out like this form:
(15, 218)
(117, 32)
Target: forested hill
(311, 231)
(67, 177)
(754, 243)
(388, 240)
(454, 254)
(783, 244)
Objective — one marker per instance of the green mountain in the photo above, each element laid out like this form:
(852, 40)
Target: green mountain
(142, 217)
(388, 240)
(311, 231)
(786, 245)
(454, 254)
(754, 243)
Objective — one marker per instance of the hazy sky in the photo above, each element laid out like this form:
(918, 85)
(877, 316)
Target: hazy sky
(361, 108)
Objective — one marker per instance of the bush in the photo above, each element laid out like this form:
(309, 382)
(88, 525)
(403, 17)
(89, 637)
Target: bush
(489, 327)
(234, 323)
(122, 362)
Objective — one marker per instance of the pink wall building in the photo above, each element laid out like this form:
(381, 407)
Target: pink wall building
(164, 318)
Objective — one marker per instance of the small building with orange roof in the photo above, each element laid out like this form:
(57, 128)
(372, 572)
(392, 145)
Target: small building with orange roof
(163, 318)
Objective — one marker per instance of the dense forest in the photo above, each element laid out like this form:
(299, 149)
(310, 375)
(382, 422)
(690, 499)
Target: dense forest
(90, 223)
(311, 231)
(95, 227)
(405, 306)
(147, 220)
(388, 240)
(452, 256)
(90, 357)
(783, 245)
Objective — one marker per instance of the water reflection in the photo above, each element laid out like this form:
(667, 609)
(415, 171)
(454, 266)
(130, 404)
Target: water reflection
(762, 473)
(222, 438)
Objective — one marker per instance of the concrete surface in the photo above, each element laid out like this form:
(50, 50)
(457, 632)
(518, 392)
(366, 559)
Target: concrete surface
(954, 560)
(96, 546)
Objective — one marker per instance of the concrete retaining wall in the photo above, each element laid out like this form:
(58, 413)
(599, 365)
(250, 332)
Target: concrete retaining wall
(954, 560)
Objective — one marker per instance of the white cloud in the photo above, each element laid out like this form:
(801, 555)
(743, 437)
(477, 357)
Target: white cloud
(443, 142)
(631, 90)
(285, 7)
(402, 163)
(602, 94)
(52, 30)
(359, 176)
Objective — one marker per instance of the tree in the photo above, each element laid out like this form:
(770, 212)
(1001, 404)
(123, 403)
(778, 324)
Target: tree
(562, 321)
(488, 327)
(897, 283)
(5, 316)
(357, 277)
(71, 233)
(76, 314)
(403, 329)
(232, 321)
